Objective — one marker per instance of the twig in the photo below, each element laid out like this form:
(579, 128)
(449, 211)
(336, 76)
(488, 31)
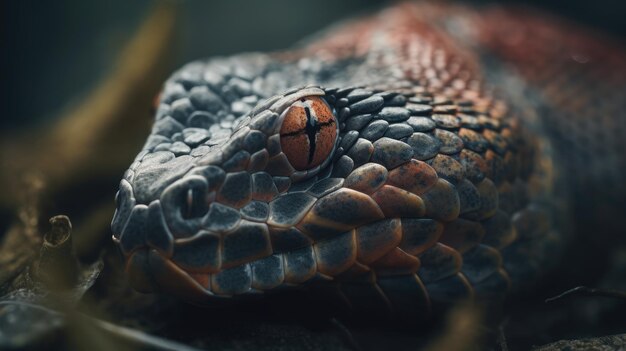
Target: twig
(587, 291)
(125, 335)
(139, 338)
(502, 337)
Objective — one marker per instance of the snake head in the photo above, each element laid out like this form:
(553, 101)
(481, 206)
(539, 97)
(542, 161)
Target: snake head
(385, 187)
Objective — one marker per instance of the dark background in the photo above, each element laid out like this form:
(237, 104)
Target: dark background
(53, 52)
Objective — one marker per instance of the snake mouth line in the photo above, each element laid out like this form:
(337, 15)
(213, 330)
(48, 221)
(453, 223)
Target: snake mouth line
(150, 271)
(429, 268)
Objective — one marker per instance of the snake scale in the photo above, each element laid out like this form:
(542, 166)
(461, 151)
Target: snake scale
(402, 160)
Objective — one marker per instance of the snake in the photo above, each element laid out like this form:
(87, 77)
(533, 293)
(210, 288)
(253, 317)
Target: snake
(402, 160)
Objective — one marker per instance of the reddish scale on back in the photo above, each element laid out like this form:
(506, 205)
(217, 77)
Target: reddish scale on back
(407, 38)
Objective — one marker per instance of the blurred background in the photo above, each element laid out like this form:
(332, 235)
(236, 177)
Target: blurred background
(54, 52)
(94, 67)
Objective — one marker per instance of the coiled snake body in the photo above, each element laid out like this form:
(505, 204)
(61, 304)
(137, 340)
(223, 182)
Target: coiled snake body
(403, 159)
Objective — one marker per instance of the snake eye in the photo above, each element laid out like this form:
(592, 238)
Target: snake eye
(308, 132)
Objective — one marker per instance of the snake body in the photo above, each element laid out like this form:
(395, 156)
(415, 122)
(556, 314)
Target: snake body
(435, 180)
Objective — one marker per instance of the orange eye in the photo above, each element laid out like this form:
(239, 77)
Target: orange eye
(308, 133)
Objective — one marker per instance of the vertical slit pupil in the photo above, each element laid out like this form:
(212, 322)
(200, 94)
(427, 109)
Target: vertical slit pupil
(311, 130)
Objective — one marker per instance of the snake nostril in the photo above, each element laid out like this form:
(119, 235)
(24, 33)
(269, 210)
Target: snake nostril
(196, 204)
